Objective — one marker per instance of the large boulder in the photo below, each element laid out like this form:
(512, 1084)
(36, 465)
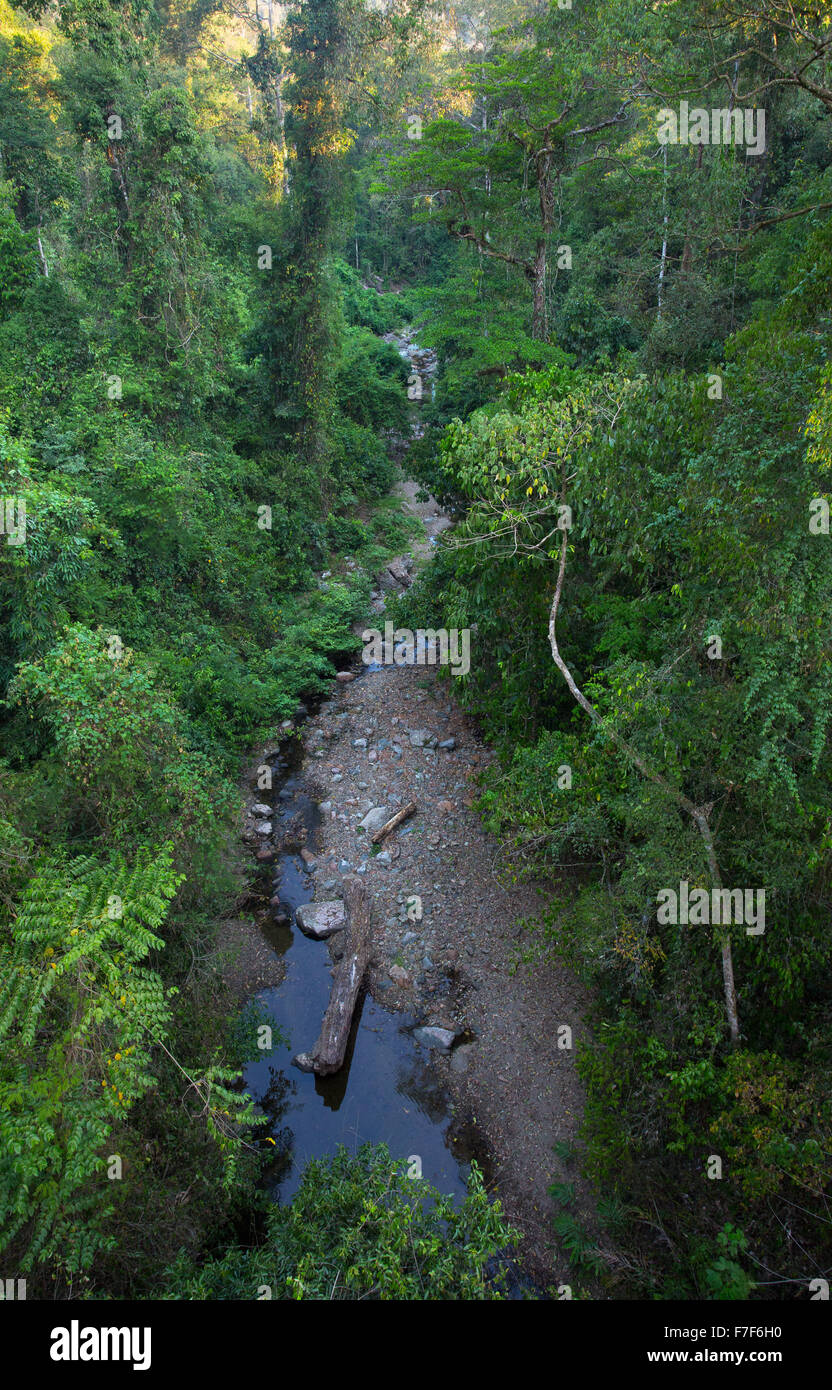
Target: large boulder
(399, 572)
(320, 920)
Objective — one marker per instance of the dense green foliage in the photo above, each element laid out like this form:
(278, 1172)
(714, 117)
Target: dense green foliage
(679, 407)
(161, 613)
(361, 1228)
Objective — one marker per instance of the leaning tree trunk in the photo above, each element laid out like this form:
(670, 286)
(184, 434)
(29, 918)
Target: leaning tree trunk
(699, 814)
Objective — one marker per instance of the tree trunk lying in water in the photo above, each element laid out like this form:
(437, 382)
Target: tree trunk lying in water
(327, 1056)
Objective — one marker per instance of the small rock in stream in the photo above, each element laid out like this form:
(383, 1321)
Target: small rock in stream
(441, 1038)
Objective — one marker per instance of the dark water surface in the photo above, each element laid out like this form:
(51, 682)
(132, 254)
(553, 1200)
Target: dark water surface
(386, 1092)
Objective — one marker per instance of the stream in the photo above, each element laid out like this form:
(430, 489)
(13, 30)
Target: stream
(387, 1091)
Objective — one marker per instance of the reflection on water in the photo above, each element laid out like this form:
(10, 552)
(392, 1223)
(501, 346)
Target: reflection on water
(386, 1092)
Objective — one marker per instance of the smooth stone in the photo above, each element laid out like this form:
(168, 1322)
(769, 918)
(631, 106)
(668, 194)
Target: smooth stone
(375, 819)
(441, 1038)
(320, 920)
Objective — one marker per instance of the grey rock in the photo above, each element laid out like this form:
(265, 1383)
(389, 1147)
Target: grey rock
(261, 809)
(398, 571)
(440, 1038)
(375, 819)
(320, 920)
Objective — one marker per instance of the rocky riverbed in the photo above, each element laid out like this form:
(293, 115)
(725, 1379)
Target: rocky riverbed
(446, 930)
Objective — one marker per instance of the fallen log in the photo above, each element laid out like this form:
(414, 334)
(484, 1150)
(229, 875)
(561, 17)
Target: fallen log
(327, 1056)
(391, 824)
